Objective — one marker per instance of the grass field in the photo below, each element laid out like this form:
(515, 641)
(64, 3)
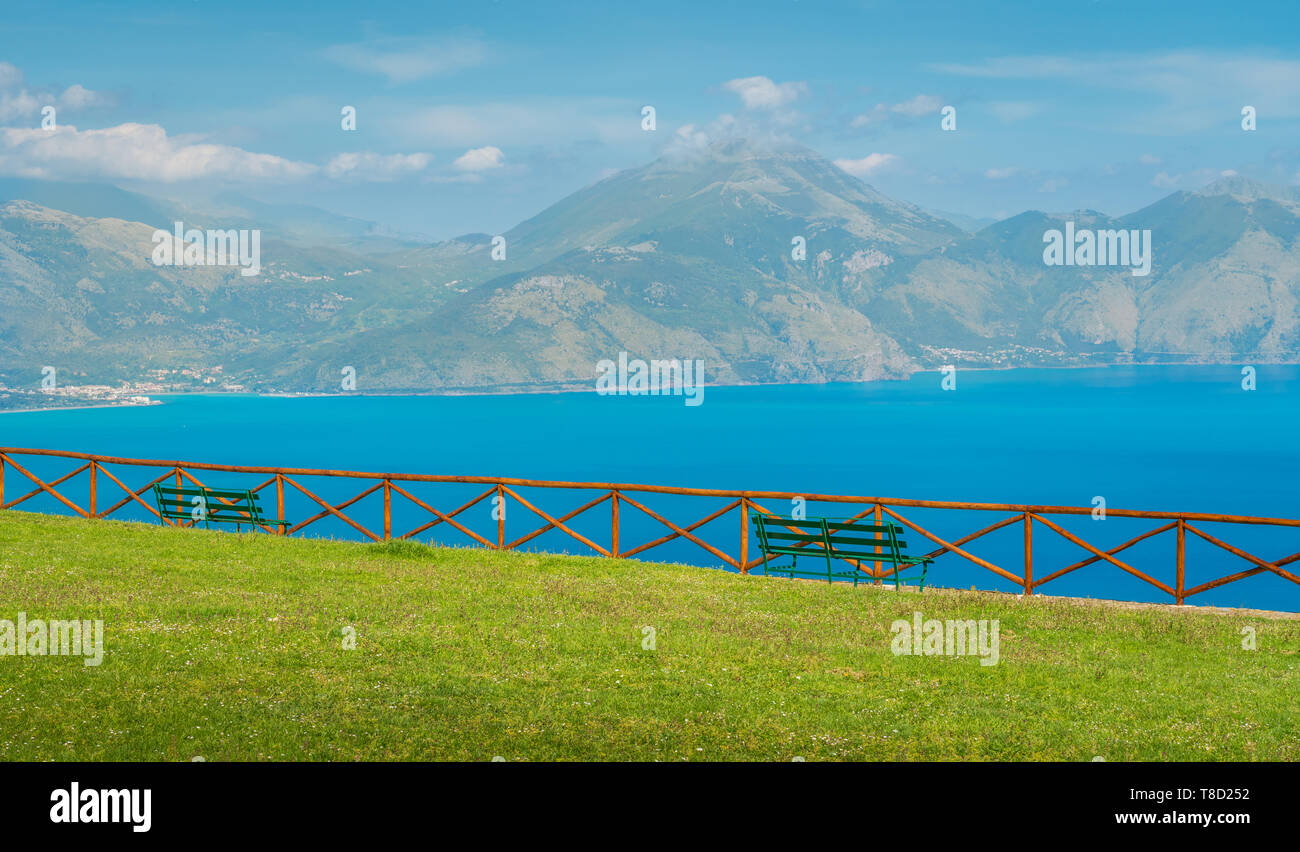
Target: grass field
(231, 647)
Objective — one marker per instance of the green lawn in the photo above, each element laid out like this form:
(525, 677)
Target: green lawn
(230, 647)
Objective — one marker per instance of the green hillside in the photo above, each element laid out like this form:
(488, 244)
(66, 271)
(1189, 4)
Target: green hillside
(231, 647)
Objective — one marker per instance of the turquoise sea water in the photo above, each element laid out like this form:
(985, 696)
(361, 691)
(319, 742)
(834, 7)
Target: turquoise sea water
(1161, 438)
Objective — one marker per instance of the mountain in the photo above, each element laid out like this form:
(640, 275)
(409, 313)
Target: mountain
(300, 224)
(89, 200)
(82, 293)
(1224, 283)
(969, 224)
(771, 265)
(690, 256)
(293, 223)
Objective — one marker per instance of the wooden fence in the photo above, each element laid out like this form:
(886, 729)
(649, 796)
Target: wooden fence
(618, 495)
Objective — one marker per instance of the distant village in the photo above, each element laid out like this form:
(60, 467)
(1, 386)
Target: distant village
(69, 395)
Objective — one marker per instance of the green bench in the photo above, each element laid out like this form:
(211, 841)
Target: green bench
(193, 505)
(836, 539)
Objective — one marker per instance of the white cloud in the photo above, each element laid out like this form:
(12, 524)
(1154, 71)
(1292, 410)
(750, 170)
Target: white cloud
(79, 97)
(1003, 173)
(1053, 184)
(762, 93)
(480, 159)
(917, 106)
(1193, 179)
(10, 76)
(1197, 89)
(133, 152)
(689, 138)
(17, 102)
(867, 165)
(403, 60)
(369, 166)
(1149, 160)
(912, 108)
(19, 105)
(535, 121)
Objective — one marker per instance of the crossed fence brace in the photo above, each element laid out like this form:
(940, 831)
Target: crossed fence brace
(618, 494)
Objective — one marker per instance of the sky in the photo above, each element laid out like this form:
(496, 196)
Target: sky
(472, 117)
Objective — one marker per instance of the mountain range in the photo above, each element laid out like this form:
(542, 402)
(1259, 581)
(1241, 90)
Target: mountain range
(771, 265)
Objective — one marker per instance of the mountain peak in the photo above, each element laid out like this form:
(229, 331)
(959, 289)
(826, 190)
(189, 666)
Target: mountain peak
(1245, 189)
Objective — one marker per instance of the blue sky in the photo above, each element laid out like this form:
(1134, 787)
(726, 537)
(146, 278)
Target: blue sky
(473, 117)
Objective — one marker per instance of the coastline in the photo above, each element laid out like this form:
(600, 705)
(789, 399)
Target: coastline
(79, 408)
(510, 390)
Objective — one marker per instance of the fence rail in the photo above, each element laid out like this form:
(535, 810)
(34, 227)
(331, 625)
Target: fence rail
(618, 494)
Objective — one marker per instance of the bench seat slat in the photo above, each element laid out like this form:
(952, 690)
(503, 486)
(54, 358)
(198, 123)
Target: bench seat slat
(864, 527)
(785, 536)
(866, 542)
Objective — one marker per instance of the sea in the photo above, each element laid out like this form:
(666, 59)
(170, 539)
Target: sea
(1161, 438)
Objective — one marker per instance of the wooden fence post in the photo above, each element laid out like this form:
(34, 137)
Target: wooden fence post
(744, 536)
(388, 509)
(1029, 554)
(2, 482)
(94, 469)
(878, 522)
(613, 524)
(279, 503)
(180, 501)
(501, 517)
(1180, 578)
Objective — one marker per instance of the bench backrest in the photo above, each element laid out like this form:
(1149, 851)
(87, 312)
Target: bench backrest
(777, 533)
(843, 538)
(218, 504)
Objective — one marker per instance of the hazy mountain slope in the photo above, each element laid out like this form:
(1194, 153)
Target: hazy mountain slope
(554, 324)
(89, 200)
(1223, 284)
(83, 294)
(969, 224)
(710, 189)
(993, 293)
(1227, 278)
